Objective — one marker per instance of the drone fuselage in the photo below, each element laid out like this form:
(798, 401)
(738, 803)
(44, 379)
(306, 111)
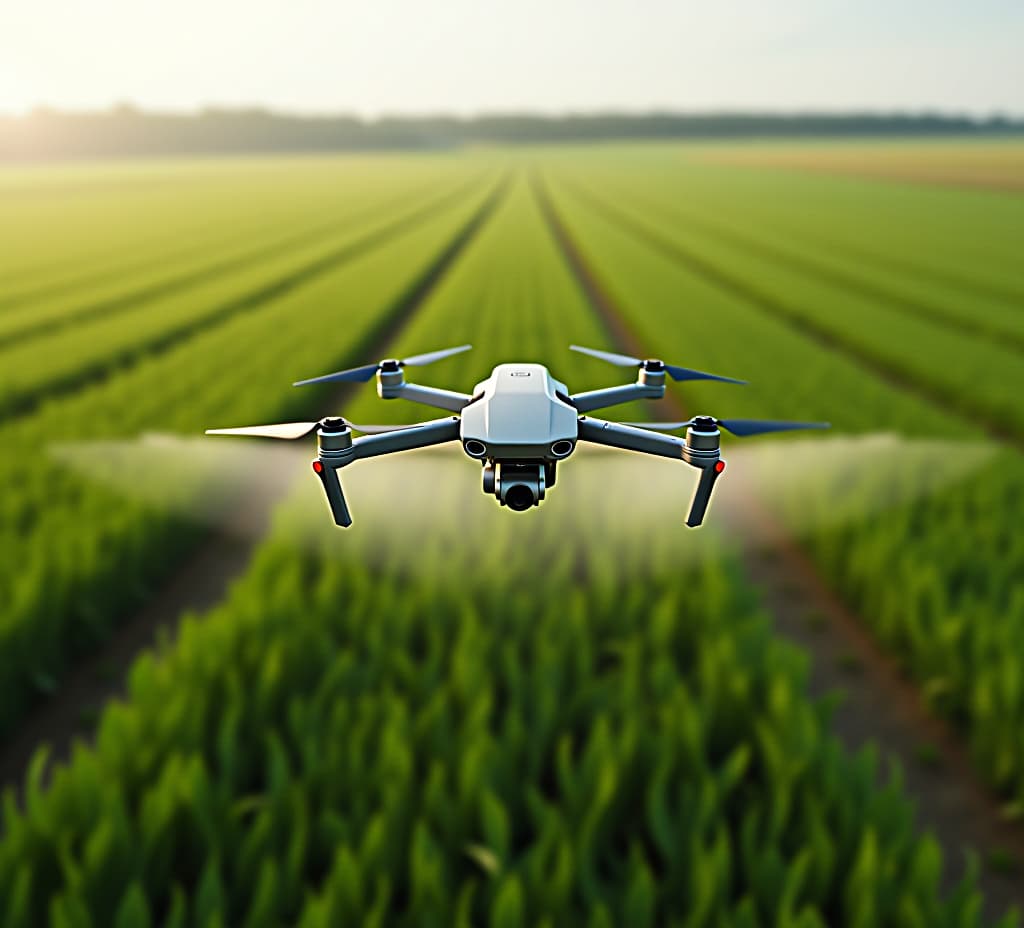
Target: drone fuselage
(519, 424)
(517, 415)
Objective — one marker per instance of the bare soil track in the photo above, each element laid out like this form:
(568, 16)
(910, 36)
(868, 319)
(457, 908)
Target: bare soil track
(827, 274)
(200, 583)
(748, 292)
(878, 703)
(27, 401)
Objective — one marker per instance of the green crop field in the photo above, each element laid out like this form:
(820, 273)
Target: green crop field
(451, 714)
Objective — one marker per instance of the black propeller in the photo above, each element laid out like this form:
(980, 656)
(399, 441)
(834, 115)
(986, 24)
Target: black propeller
(363, 374)
(740, 427)
(651, 364)
(292, 430)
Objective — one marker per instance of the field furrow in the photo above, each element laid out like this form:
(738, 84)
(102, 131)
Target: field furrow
(69, 359)
(72, 538)
(174, 277)
(1001, 323)
(882, 708)
(91, 225)
(451, 712)
(951, 606)
(970, 376)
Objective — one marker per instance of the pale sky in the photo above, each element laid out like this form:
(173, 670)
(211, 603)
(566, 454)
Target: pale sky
(468, 56)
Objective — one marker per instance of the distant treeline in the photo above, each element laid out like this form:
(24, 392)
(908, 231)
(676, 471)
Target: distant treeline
(127, 131)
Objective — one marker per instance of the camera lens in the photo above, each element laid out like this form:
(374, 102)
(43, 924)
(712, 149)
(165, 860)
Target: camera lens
(519, 497)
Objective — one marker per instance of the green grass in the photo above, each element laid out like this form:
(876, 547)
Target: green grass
(79, 556)
(452, 714)
(937, 577)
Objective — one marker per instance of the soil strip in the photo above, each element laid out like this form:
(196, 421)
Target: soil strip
(877, 702)
(829, 275)
(27, 401)
(69, 714)
(936, 394)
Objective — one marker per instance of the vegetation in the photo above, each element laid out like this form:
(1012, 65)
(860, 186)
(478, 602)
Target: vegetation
(127, 132)
(461, 739)
(937, 577)
(453, 716)
(79, 556)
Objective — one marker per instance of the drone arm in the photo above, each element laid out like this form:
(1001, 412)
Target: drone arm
(427, 396)
(615, 435)
(421, 436)
(613, 396)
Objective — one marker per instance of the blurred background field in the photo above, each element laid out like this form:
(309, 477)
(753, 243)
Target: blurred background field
(456, 715)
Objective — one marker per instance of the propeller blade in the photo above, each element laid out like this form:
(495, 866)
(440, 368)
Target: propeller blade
(286, 430)
(677, 373)
(417, 360)
(744, 427)
(740, 427)
(353, 375)
(621, 360)
(364, 373)
(685, 373)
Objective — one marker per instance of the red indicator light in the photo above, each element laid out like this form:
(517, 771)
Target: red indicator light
(318, 467)
(719, 466)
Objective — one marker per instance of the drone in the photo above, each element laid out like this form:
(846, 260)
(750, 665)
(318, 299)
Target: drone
(519, 423)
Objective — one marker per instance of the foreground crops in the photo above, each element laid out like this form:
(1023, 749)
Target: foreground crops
(940, 578)
(451, 714)
(452, 736)
(76, 556)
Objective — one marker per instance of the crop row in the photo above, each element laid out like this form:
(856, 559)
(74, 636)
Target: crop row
(937, 576)
(80, 555)
(998, 318)
(454, 715)
(970, 373)
(57, 363)
(963, 238)
(170, 268)
(83, 230)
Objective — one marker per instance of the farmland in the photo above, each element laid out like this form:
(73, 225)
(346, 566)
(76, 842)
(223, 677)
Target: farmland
(448, 714)
(956, 163)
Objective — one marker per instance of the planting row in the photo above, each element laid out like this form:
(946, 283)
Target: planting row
(931, 559)
(74, 354)
(451, 714)
(78, 554)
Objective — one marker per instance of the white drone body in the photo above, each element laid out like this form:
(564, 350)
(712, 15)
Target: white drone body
(519, 423)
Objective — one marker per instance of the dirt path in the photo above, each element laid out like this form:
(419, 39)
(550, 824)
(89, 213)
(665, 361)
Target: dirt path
(879, 704)
(200, 583)
(746, 291)
(25, 402)
(812, 268)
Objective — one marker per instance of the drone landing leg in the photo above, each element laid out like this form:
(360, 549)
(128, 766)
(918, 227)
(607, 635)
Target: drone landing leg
(702, 495)
(335, 497)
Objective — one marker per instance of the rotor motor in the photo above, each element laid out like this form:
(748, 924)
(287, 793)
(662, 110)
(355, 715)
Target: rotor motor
(703, 440)
(651, 373)
(333, 439)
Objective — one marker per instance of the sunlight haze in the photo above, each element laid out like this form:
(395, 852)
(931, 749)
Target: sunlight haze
(466, 57)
